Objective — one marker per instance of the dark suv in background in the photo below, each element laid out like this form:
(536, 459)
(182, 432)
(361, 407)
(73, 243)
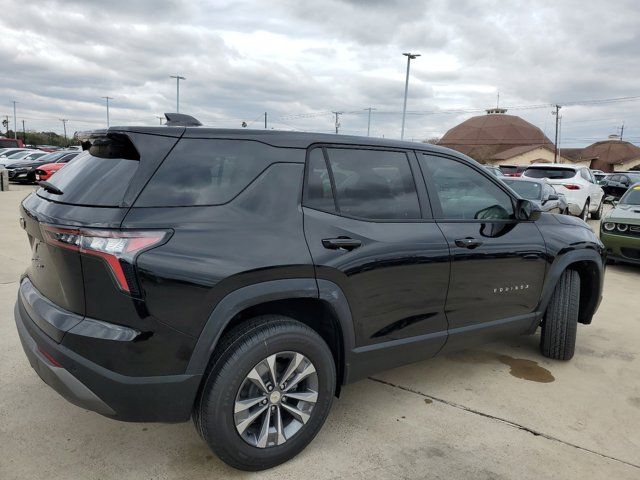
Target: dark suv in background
(242, 277)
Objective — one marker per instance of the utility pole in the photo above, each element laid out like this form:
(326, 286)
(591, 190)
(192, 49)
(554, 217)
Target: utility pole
(337, 114)
(15, 125)
(107, 99)
(369, 120)
(24, 133)
(557, 114)
(265, 120)
(621, 131)
(64, 125)
(410, 56)
(178, 78)
(159, 118)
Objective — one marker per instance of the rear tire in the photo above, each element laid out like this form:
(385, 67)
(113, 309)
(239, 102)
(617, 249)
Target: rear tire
(597, 215)
(560, 325)
(242, 352)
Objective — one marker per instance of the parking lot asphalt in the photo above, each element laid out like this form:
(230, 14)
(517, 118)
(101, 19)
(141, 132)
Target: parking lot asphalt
(499, 411)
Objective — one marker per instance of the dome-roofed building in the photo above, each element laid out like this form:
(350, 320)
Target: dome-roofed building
(498, 138)
(612, 155)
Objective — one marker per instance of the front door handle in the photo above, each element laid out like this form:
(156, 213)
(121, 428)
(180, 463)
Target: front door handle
(468, 242)
(341, 242)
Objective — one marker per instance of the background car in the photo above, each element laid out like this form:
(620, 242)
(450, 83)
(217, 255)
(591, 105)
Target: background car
(539, 192)
(576, 183)
(26, 156)
(10, 151)
(512, 170)
(616, 184)
(599, 175)
(620, 229)
(24, 171)
(495, 170)
(45, 171)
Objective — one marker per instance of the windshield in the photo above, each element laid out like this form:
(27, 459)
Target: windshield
(52, 157)
(546, 172)
(34, 156)
(10, 151)
(19, 155)
(632, 197)
(528, 190)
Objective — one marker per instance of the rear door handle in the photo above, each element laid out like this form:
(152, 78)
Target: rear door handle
(467, 242)
(341, 242)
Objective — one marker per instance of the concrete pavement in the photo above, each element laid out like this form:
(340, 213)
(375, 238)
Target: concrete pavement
(500, 411)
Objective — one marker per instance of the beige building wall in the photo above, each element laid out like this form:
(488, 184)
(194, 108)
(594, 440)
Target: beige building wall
(626, 165)
(534, 156)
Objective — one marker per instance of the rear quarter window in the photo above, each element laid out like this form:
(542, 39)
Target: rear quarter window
(210, 171)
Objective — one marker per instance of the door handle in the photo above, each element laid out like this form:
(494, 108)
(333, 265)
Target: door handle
(341, 242)
(468, 242)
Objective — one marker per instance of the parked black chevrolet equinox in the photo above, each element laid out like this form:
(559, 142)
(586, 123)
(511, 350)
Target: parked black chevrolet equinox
(242, 277)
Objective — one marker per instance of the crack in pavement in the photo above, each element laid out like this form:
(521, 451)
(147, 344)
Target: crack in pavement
(503, 420)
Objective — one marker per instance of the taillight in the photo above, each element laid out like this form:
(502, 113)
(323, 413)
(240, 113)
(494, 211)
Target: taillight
(118, 248)
(571, 186)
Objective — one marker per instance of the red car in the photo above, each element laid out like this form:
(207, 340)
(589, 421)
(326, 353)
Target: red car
(57, 161)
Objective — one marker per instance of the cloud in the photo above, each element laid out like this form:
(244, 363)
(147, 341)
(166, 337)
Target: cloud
(300, 60)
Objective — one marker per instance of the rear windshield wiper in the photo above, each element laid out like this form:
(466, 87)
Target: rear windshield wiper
(51, 188)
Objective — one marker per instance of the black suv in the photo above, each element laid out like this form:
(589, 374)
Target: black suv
(242, 277)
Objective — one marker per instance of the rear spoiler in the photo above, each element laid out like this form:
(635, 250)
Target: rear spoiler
(105, 144)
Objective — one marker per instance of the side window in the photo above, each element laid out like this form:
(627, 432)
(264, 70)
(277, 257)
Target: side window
(614, 178)
(464, 193)
(318, 192)
(585, 174)
(374, 184)
(624, 180)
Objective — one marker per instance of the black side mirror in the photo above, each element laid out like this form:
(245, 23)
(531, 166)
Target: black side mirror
(553, 197)
(526, 210)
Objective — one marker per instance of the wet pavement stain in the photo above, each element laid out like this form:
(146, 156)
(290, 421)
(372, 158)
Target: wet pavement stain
(527, 369)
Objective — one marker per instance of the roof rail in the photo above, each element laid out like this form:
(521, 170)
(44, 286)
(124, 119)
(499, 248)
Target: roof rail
(181, 120)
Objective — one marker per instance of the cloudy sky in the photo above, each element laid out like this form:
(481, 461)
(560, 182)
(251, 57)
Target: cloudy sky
(299, 60)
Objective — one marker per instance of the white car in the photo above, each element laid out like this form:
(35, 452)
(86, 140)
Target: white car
(10, 151)
(576, 183)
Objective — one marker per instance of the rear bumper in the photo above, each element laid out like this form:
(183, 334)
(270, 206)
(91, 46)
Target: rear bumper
(136, 399)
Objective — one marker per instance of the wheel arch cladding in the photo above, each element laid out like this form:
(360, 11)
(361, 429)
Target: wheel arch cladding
(589, 266)
(324, 309)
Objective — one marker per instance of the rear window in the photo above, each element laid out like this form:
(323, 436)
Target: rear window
(552, 173)
(92, 181)
(210, 172)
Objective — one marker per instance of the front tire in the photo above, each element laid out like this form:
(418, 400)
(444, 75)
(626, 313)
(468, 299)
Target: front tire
(560, 325)
(267, 393)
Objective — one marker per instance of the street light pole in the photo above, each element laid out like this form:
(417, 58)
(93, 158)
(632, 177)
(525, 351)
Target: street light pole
(369, 120)
(107, 99)
(556, 112)
(178, 78)
(410, 56)
(15, 124)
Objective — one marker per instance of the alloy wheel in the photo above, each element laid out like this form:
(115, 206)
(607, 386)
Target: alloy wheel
(276, 399)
